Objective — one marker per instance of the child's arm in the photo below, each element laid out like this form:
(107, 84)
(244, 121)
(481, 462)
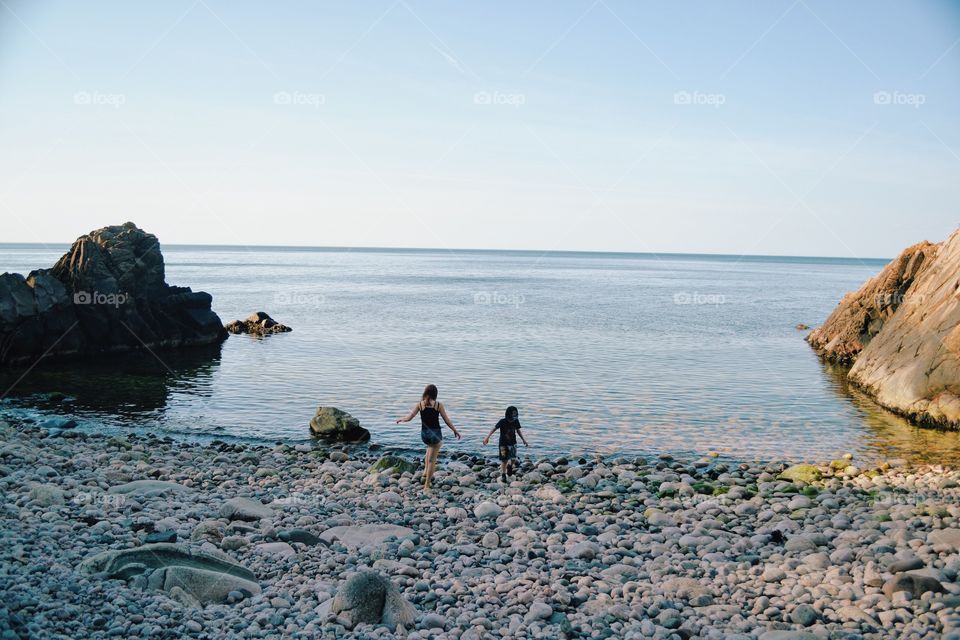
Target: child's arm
(487, 439)
(520, 433)
(412, 415)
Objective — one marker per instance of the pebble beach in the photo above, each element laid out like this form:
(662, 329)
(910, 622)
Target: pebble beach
(650, 547)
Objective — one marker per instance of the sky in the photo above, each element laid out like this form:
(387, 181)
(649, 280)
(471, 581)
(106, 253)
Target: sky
(788, 127)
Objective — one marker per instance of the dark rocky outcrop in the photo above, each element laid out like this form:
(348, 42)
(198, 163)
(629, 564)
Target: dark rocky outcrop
(333, 424)
(257, 324)
(901, 333)
(107, 294)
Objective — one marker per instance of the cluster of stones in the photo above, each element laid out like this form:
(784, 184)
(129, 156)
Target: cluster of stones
(150, 537)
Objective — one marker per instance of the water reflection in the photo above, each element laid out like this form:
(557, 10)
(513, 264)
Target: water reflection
(890, 435)
(134, 385)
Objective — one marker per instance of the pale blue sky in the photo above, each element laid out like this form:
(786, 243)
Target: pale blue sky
(720, 127)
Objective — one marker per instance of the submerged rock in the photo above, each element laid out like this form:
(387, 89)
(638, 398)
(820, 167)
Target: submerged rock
(333, 424)
(107, 294)
(901, 331)
(257, 324)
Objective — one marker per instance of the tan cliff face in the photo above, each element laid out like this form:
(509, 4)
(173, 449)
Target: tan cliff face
(901, 331)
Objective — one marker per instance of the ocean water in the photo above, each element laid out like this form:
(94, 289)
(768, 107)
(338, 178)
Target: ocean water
(602, 353)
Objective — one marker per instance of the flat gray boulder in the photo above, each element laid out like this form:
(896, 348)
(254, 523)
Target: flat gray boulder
(148, 488)
(364, 535)
(372, 598)
(188, 574)
(245, 509)
(202, 585)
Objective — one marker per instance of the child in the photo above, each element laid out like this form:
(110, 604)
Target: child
(509, 427)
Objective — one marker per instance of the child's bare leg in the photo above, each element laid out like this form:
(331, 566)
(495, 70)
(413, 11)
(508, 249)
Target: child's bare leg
(426, 465)
(503, 468)
(431, 464)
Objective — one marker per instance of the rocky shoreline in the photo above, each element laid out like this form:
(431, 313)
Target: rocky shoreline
(311, 542)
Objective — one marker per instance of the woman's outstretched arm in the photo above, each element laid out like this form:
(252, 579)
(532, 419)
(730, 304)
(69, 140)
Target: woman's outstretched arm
(446, 418)
(413, 414)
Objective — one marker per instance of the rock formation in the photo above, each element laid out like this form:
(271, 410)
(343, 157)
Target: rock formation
(901, 332)
(107, 294)
(331, 423)
(257, 324)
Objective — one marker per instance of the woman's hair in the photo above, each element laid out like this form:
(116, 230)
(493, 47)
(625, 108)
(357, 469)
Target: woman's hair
(430, 391)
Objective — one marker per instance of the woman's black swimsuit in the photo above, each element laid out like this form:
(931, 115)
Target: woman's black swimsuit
(430, 431)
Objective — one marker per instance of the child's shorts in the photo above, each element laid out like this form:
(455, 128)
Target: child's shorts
(508, 452)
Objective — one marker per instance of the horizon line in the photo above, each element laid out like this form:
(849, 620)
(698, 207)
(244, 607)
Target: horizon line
(331, 248)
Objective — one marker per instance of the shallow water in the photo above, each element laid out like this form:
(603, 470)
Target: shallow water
(602, 353)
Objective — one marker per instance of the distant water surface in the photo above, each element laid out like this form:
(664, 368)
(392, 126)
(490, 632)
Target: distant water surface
(602, 353)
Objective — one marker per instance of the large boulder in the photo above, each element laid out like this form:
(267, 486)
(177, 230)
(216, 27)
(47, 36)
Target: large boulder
(372, 598)
(107, 294)
(257, 324)
(901, 330)
(202, 576)
(333, 424)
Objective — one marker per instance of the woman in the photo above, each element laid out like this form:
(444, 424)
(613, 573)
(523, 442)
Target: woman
(430, 410)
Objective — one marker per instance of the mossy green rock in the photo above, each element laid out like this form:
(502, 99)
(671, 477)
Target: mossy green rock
(839, 465)
(394, 464)
(801, 473)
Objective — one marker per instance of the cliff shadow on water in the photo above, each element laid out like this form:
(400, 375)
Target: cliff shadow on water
(892, 435)
(132, 385)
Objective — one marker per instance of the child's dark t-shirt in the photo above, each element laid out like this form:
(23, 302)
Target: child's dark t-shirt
(508, 432)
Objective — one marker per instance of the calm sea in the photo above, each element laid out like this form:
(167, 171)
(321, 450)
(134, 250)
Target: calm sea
(602, 353)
